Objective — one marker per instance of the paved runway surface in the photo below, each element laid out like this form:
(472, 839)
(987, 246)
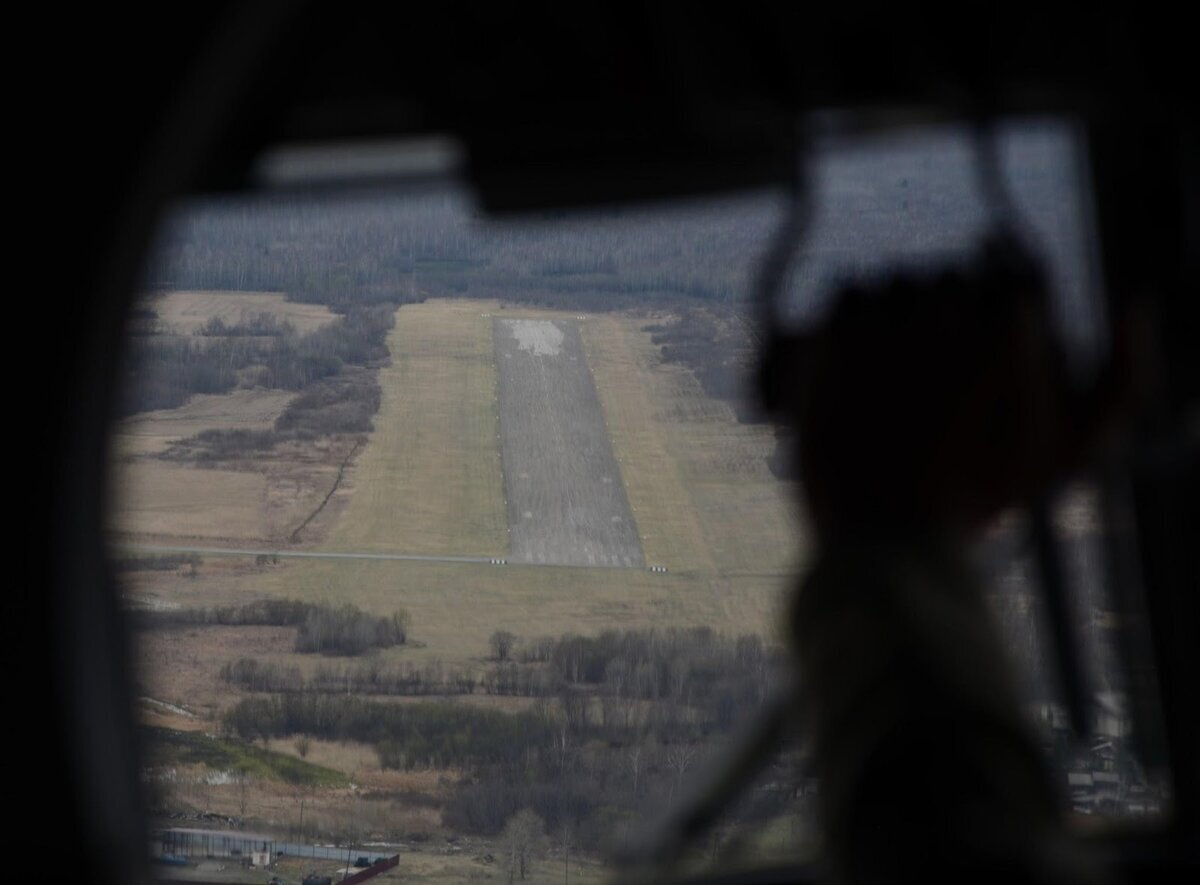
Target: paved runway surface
(566, 502)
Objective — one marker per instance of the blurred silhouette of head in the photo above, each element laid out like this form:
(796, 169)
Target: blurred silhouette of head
(924, 403)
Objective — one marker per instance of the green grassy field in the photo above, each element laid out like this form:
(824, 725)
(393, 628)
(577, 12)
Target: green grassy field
(171, 747)
(430, 480)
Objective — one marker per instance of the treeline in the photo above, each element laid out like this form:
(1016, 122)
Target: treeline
(406, 736)
(345, 403)
(259, 613)
(382, 249)
(387, 250)
(347, 630)
(695, 674)
(370, 677)
(694, 667)
(616, 722)
(164, 371)
(222, 444)
(257, 325)
(321, 628)
(159, 562)
(719, 350)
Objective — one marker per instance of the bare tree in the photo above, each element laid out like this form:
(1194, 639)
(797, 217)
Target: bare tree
(576, 708)
(561, 747)
(524, 836)
(566, 838)
(679, 759)
(242, 775)
(635, 765)
(502, 643)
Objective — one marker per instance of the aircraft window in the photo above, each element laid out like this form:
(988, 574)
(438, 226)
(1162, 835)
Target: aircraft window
(463, 540)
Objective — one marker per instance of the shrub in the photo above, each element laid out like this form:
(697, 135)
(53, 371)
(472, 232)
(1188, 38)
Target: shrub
(347, 630)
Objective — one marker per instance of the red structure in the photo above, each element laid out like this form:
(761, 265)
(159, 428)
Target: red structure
(372, 871)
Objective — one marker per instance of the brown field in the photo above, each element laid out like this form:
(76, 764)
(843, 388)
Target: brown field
(429, 481)
(182, 313)
(173, 501)
(455, 608)
(259, 500)
(255, 502)
(151, 433)
(182, 665)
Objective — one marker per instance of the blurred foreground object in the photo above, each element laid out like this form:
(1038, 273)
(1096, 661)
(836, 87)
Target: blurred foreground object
(920, 410)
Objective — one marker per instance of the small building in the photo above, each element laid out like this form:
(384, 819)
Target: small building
(255, 849)
(1080, 780)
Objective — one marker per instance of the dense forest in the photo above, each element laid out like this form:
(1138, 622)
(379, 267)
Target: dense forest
(324, 628)
(910, 203)
(614, 725)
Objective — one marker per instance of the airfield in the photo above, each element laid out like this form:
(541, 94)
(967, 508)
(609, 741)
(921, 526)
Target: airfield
(577, 484)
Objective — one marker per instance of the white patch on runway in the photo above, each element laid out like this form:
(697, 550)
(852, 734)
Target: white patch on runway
(538, 337)
(564, 497)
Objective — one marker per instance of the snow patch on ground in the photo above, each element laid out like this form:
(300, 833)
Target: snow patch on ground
(163, 705)
(538, 337)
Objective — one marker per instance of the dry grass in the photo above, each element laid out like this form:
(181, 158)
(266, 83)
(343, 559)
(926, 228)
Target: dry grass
(153, 497)
(183, 313)
(365, 815)
(697, 479)
(182, 666)
(624, 372)
(156, 717)
(462, 864)
(455, 608)
(430, 481)
(462, 861)
(260, 501)
(150, 433)
(360, 763)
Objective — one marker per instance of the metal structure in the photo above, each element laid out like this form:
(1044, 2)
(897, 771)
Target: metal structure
(253, 848)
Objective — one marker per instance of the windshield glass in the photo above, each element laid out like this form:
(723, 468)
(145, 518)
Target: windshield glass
(463, 541)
